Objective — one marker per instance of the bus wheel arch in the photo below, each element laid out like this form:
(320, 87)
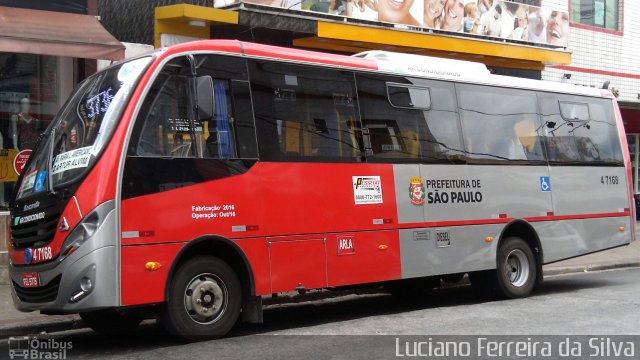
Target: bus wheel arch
(526, 232)
(232, 254)
(521, 237)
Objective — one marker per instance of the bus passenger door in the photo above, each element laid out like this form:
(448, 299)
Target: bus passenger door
(183, 170)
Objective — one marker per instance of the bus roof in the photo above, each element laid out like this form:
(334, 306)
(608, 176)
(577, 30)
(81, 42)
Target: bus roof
(388, 62)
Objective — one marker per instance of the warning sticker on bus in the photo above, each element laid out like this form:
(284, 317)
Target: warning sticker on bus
(73, 159)
(367, 190)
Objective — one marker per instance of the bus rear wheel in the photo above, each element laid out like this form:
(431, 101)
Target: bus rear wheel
(204, 300)
(517, 270)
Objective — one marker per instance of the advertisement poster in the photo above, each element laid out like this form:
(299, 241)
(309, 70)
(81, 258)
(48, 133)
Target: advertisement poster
(493, 18)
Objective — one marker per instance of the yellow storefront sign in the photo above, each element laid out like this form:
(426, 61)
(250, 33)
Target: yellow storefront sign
(7, 173)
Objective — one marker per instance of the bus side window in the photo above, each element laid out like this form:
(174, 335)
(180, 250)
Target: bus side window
(168, 126)
(500, 124)
(231, 133)
(409, 120)
(582, 130)
(166, 119)
(304, 113)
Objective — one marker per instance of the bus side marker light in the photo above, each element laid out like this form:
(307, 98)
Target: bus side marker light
(488, 239)
(69, 251)
(152, 265)
(621, 229)
(383, 247)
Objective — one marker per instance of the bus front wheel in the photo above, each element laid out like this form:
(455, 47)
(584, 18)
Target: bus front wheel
(516, 272)
(204, 300)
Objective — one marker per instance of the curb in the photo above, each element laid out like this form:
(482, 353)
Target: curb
(49, 324)
(42, 324)
(589, 268)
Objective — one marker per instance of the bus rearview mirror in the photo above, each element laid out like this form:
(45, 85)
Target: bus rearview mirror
(205, 97)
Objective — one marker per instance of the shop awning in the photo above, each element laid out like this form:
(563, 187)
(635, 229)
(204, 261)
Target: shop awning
(55, 33)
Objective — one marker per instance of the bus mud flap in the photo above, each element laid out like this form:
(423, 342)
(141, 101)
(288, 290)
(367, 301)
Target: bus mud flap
(252, 310)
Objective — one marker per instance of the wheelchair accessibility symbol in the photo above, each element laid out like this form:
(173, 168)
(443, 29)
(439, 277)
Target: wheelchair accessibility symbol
(545, 184)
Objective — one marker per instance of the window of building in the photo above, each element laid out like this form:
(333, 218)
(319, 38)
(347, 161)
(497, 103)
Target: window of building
(599, 13)
(304, 113)
(409, 120)
(576, 140)
(500, 124)
(32, 89)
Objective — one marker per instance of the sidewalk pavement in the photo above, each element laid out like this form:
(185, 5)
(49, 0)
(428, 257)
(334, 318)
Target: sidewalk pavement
(16, 323)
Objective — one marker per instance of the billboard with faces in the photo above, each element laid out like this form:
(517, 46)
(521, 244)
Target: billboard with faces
(494, 18)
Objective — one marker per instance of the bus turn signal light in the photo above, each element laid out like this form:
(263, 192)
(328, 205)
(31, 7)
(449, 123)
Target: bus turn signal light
(383, 247)
(488, 239)
(621, 228)
(152, 265)
(69, 251)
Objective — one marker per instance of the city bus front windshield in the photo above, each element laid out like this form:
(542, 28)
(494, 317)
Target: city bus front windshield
(81, 129)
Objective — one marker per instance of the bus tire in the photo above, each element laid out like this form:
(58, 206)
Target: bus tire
(517, 269)
(204, 300)
(112, 322)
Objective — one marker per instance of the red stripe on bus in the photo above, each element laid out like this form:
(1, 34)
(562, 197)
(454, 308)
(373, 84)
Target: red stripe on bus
(577, 216)
(454, 223)
(507, 220)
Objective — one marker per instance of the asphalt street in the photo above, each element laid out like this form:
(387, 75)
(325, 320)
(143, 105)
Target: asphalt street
(595, 303)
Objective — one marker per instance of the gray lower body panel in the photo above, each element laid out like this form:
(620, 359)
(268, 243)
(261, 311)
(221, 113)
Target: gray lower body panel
(96, 260)
(465, 250)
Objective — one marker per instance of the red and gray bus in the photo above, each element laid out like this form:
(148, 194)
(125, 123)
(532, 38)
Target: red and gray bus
(197, 180)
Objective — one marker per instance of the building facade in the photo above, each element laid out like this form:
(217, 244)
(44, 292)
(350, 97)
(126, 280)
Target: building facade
(605, 44)
(46, 48)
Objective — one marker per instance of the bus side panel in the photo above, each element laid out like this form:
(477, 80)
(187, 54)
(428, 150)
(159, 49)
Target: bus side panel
(589, 190)
(270, 199)
(562, 239)
(303, 198)
(256, 252)
(599, 195)
(463, 205)
(489, 191)
(142, 286)
(230, 207)
(362, 257)
(463, 249)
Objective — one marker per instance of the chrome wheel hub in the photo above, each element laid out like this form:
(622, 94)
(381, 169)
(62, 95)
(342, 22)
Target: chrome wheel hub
(517, 267)
(205, 298)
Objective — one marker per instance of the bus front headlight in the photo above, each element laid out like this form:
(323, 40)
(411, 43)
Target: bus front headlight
(83, 231)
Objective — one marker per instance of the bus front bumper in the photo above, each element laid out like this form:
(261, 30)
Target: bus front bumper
(86, 280)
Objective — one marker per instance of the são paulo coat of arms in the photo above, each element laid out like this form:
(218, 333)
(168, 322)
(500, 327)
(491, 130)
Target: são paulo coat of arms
(416, 190)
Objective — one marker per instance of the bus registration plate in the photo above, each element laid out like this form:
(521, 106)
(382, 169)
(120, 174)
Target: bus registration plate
(30, 280)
